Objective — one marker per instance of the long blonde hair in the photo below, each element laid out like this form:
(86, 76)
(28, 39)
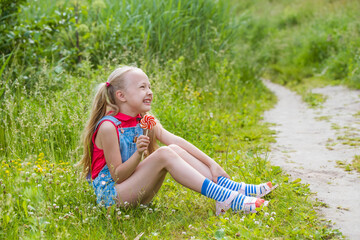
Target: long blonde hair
(104, 102)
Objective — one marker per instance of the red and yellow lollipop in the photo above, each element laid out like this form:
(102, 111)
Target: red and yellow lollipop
(147, 122)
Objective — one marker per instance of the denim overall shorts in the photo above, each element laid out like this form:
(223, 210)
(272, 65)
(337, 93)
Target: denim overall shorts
(103, 184)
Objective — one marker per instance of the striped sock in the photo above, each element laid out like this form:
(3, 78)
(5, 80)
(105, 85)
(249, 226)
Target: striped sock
(247, 189)
(229, 184)
(238, 202)
(214, 191)
(219, 193)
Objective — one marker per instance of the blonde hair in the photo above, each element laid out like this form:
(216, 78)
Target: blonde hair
(104, 102)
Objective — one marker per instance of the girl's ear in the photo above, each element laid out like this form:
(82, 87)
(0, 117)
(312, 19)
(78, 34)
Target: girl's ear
(120, 95)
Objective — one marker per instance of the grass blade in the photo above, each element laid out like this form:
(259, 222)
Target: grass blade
(1, 71)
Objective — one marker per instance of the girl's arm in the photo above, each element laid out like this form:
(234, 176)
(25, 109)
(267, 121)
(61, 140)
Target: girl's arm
(108, 140)
(168, 138)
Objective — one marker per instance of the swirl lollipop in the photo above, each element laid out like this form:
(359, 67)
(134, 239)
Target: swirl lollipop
(147, 122)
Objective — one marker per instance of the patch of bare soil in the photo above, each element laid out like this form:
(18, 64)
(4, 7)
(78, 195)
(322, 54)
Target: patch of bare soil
(316, 144)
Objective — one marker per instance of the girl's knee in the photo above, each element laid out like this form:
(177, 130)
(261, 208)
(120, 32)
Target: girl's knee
(163, 156)
(176, 148)
(179, 150)
(165, 152)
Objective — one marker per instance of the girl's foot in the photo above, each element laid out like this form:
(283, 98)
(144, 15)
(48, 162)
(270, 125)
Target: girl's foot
(226, 198)
(240, 203)
(246, 189)
(258, 191)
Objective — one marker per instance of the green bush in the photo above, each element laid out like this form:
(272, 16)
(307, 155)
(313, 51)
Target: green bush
(302, 39)
(67, 32)
(8, 19)
(315, 50)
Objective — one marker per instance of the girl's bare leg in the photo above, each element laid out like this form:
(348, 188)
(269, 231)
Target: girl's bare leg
(143, 184)
(193, 161)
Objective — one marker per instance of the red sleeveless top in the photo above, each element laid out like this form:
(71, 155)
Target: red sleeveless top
(98, 158)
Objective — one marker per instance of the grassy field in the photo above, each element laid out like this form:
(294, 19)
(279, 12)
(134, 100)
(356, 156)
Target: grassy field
(304, 44)
(203, 57)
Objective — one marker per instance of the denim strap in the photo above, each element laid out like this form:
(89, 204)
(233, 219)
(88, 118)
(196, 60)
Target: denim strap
(109, 118)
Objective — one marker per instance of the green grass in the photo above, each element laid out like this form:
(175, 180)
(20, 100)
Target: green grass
(217, 102)
(353, 166)
(356, 163)
(349, 137)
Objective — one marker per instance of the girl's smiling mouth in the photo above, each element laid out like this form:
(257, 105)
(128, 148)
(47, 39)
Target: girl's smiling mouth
(147, 101)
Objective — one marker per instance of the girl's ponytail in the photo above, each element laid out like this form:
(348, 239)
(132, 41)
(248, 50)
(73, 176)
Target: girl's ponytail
(98, 110)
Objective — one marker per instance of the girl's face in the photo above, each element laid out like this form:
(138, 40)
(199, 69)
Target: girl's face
(137, 92)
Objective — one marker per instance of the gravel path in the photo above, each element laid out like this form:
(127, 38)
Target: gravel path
(312, 142)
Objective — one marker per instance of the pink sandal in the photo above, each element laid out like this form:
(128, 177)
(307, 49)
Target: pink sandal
(222, 207)
(249, 204)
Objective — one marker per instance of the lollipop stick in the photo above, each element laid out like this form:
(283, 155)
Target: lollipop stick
(142, 155)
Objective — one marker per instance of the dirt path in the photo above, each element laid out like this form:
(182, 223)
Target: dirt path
(310, 143)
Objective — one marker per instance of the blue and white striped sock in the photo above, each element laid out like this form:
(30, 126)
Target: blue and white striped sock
(219, 193)
(238, 203)
(229, 184)
(246, 189)
(214, 191)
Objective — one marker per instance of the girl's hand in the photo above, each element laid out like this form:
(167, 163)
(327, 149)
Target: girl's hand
(217, 171)
(142, 143)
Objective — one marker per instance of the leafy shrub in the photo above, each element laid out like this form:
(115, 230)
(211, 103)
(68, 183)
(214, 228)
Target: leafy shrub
(316, 49)
(8, 19)
(67, 32)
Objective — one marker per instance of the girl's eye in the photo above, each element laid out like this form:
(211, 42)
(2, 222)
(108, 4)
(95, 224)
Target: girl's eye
(142, 87)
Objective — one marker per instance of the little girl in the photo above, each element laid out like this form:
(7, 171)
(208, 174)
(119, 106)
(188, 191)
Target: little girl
(114, 144)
